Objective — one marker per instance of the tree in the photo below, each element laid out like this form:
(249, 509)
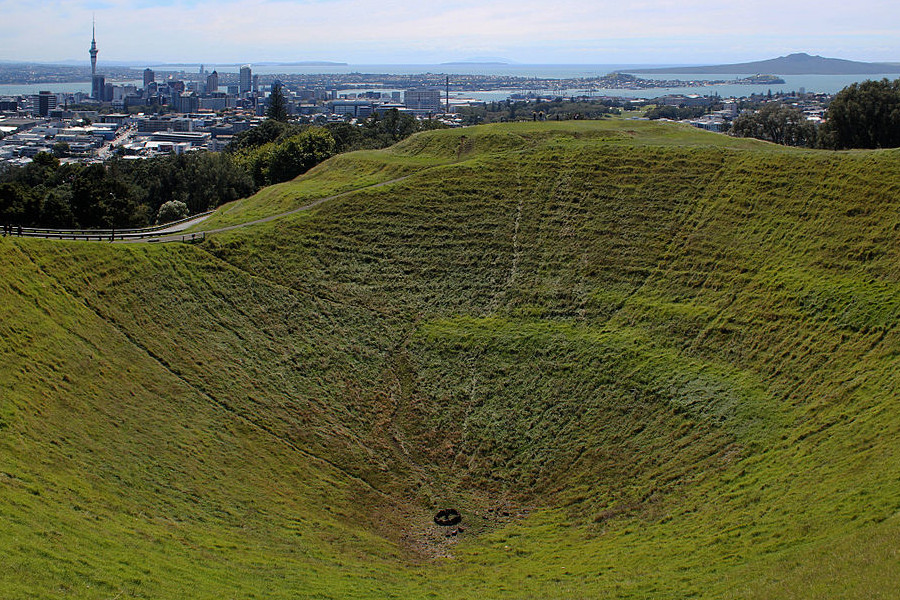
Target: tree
(61, 149)
(389, 128)
(277, 109)
(173, 210)
(255, 161)
(41, 170)
(18, 206)
(44, 159)
(864, 115)
(56, 211)
(268, 131)
(346, 136)
(298, 154)
(100, 199)
(778, 123)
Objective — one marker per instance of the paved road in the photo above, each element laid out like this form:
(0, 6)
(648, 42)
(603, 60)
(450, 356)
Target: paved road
(106, 151)
(185, 224)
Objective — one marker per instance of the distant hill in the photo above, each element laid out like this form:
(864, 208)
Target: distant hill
(793, 64)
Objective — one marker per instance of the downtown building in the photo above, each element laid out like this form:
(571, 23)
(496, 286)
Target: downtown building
(423, 101)
(245, 79)
(42, 103)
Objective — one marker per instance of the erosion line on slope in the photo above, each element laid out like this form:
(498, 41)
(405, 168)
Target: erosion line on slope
(689, 220)
(203, 393)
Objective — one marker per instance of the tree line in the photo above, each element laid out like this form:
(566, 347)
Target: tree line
(677, 113)
(118, 194)
(122, 193)
(543, 110)
(278, 150)
(862, 115)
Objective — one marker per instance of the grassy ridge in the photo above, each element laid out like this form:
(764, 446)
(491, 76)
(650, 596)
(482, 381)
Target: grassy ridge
(643, 360)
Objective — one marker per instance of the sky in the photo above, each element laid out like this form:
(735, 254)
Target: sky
(428, 32)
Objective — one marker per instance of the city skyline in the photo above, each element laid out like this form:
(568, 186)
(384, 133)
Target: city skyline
(689, 32)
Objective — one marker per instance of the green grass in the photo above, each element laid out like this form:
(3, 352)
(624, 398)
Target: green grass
(642, 360)
(358, 170)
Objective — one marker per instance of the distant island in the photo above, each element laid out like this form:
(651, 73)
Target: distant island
(628, 81)
(793, 64)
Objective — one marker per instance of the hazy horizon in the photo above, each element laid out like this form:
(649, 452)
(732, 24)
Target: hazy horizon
(697, 32)
(140, 64)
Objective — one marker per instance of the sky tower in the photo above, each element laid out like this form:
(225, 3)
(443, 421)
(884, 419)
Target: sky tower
(98, 82)
(93, 49)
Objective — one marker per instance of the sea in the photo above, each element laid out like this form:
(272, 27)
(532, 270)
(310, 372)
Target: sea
(27, 89)
(828, 84)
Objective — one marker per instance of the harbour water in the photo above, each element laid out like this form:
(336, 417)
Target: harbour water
(810, 83)
(26, 89)
(828, 84)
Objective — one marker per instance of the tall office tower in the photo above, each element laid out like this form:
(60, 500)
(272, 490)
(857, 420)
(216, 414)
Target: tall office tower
(212, 83)
(43, 103)
(246, 79)
(149, 77)
(98, 87)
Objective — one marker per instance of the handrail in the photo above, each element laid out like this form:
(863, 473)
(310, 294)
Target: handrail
(95, 237)
(114, 236)
(49, 232)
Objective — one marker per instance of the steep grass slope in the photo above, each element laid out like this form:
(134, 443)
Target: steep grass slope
(643, 361)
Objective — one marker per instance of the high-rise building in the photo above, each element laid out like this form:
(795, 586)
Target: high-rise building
(187, 102)
(246, 79)
(149, 77)
(43, 102)
(212, 83)
(98, 85)
(423, 100)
